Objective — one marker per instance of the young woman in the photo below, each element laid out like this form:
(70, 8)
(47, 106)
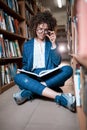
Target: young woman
(41, 53)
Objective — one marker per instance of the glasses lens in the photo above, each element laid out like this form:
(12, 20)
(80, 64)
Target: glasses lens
(41, 30)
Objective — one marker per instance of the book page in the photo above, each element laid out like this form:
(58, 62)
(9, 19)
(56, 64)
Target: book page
(45, 72)
(27, 72)
(41, 74)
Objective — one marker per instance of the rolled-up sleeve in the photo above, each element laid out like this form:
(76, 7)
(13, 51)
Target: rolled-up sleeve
(55, 56)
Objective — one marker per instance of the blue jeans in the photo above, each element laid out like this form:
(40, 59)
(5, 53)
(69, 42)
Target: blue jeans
(56, 80)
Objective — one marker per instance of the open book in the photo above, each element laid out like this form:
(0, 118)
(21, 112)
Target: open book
(41, 74)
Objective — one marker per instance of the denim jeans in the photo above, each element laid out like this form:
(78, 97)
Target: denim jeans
(56, 80)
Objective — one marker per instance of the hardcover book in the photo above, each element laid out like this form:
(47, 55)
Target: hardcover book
(42, 74)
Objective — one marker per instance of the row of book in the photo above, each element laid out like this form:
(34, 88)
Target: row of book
(13, 4)
(28, 33)
(28, 15)
(7, 73)
(9, 23)
(9, 48)
(29, 3)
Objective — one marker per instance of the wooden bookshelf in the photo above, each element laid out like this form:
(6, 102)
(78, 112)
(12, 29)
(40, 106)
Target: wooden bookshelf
(6, 87)
(23, 24)
(77, 41)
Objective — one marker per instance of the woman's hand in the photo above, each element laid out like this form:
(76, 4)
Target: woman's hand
(52, 37)
(18, 72)
(80, 59)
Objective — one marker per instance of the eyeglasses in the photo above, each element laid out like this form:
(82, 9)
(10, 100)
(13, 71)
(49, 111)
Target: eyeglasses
(41, 30)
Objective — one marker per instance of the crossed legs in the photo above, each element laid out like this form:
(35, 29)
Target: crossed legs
(28, 83)
(31, 86)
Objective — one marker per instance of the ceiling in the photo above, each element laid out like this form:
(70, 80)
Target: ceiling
(59, 13)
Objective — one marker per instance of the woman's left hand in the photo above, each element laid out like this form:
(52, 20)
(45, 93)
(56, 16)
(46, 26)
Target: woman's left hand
(52, 36)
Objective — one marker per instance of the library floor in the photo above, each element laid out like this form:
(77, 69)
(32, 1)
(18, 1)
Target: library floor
(40, 114)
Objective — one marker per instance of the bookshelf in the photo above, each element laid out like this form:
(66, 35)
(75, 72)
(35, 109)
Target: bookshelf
(77, 41)
(31, 9)
(12, 36)
(81, 8)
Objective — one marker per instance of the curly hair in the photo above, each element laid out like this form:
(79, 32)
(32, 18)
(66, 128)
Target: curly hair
(42, 17)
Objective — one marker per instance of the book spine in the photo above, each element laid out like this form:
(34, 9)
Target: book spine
(7, 22)
(10, 23)
(2, 20)
(17, 48)
(77, 87)
(7, 74)
(16, 6)
(1, 50)
(2, 75)
(2, 46)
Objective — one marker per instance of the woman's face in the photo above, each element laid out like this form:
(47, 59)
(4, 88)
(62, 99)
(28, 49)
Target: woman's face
(41, 31)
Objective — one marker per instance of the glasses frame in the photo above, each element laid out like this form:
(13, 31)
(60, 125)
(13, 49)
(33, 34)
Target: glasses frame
(42, 30)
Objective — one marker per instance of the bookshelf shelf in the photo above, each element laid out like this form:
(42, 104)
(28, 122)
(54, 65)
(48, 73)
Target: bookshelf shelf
(4, 61)
(10, 35)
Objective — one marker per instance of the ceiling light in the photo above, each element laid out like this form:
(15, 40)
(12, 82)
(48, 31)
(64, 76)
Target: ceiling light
(59, 2)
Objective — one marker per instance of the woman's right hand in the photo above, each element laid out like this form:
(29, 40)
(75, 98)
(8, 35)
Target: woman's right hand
(18, 72)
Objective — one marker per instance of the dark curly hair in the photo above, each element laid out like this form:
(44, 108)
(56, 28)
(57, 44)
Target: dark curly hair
(42, 17)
